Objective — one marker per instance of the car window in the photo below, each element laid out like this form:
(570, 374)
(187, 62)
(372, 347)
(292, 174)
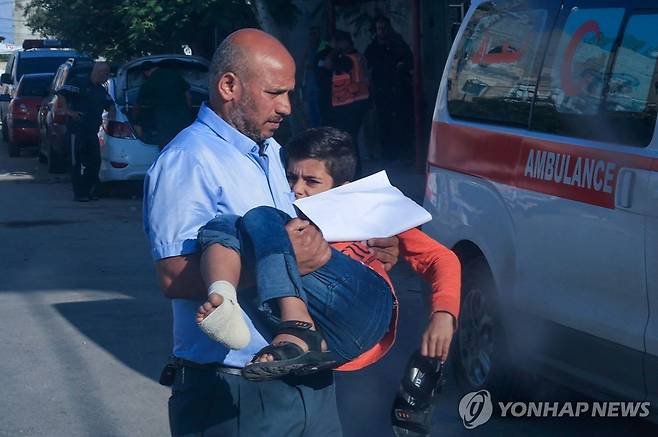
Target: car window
(195, 74)
(494, 72)
(583, 54)
(10, 64)
(60, 78)
(630, 104)
(600, 84)
(39, 65)
(34, 86)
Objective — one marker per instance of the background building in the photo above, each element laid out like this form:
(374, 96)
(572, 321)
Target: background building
(12, 22)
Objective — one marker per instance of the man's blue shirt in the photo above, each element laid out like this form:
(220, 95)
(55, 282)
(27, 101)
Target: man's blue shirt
(209, 169)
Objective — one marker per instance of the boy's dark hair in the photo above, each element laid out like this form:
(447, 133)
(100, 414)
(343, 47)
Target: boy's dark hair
(332, 146)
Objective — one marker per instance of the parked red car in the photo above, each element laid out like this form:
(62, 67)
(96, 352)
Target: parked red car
(22, 125)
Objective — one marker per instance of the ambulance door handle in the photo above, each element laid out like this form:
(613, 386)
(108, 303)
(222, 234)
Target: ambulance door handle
(624, 194)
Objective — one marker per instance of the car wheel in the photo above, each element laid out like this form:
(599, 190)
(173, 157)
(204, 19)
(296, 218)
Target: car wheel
(56, 162)
(481, 354)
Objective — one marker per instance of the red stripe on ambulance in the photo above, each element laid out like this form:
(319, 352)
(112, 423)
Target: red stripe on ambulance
(558, 169)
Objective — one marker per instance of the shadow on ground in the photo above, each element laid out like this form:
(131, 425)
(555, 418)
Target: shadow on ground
(135, 332)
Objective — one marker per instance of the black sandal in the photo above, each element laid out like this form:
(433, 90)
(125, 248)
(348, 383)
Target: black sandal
(289, 358)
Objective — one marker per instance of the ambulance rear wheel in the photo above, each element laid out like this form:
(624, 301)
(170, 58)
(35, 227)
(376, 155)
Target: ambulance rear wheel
(481, 358)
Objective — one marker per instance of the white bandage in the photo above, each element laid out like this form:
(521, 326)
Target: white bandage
(226, 323)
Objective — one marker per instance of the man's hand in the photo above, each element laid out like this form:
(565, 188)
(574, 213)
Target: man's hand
(311, 250)
(386, 250)
(436, 339)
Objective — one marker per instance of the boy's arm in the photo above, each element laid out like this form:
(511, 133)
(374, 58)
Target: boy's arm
(440, 267)
(436, 339)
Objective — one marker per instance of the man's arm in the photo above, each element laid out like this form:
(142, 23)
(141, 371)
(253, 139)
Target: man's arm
(64, 111)
(110, 107)
(180, 277)
(312, 251)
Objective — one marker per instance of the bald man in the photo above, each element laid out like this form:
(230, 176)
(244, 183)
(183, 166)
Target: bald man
(83, 102)
(227, 162)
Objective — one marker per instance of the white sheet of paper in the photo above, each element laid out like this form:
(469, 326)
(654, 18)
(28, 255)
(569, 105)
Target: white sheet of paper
(366, 208)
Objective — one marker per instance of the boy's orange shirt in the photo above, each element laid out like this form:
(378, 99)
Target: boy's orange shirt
(437, 264)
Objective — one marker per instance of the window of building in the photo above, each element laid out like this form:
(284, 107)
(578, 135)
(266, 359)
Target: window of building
(494, 73)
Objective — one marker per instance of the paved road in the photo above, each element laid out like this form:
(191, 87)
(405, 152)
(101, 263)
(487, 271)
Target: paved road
(85, 330)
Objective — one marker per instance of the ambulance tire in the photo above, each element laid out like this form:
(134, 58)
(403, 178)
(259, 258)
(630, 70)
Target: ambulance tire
(480, 355)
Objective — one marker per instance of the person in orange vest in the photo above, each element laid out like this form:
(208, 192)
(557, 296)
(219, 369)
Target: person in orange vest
(350, 90)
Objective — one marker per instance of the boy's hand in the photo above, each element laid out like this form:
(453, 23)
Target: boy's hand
(386, 250)
(311, 250)
(438, 335)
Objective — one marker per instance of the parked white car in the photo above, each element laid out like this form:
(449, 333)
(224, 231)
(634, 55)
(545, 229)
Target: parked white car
(125, 155)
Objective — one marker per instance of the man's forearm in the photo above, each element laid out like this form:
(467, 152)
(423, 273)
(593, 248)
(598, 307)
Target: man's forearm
(180, 277)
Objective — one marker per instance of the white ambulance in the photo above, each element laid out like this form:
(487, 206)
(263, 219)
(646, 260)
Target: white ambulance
(543, 177)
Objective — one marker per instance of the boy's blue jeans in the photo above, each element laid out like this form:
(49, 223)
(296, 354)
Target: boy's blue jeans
(348, 301)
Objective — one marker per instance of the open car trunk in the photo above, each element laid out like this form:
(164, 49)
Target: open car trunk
(130, 77)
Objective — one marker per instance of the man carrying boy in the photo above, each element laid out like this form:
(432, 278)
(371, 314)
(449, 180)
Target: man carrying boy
(226, 162)
(347, 303)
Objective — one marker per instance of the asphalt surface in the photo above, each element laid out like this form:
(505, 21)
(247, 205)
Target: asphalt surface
(85, 330)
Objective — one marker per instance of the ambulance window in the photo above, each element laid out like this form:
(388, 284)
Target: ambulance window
(580, 95)
(494, 73)
(632, 89)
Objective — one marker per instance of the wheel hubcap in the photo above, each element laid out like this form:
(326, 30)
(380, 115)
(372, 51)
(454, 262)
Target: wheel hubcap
(476, 338)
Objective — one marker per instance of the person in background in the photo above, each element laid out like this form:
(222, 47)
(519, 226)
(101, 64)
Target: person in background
(309, 80)
(83, 101)
(350, 90)
(390, 62)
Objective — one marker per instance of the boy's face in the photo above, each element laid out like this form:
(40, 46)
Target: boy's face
(308, 177)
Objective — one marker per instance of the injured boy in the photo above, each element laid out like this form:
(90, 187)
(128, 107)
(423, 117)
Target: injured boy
(344, 314)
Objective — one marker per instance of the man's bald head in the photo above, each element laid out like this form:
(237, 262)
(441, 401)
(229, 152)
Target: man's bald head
(251, 77)
(243, 52)
(100, 72)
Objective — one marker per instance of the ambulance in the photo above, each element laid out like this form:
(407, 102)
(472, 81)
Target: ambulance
(543, 178)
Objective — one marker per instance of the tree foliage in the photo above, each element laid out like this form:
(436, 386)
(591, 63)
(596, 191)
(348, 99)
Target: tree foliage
(123, 29)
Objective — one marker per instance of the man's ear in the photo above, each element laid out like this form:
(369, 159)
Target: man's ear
(228, 86)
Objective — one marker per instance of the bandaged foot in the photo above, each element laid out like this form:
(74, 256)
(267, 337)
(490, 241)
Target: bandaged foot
(222, 319)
